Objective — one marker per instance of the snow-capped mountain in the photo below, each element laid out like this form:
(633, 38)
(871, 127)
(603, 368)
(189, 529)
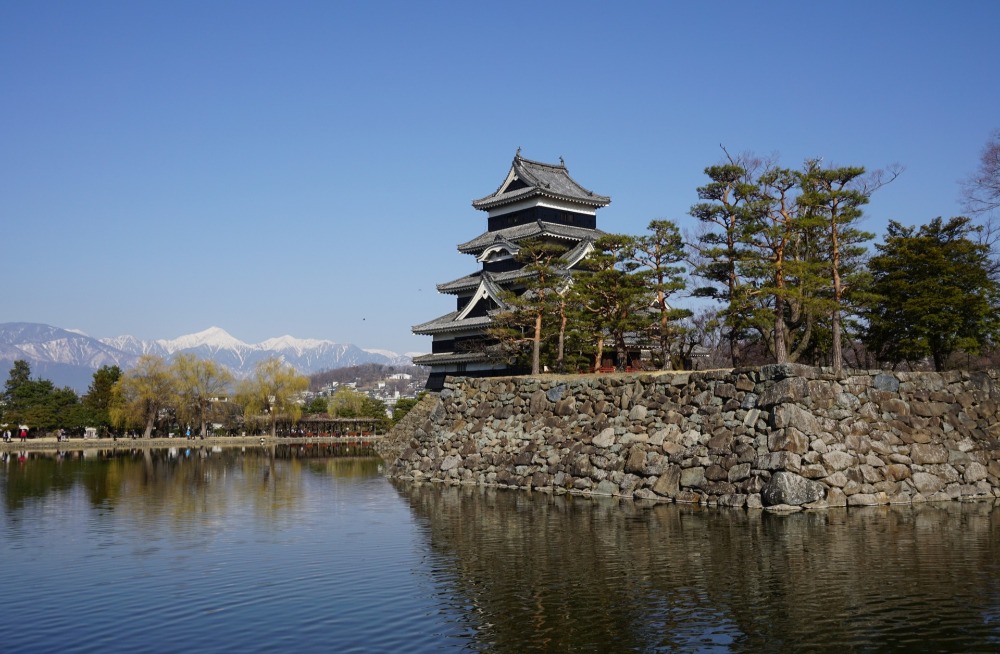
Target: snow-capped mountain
(69, 358)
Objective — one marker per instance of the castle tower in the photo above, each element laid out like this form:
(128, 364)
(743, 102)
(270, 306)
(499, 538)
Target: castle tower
(536, 200)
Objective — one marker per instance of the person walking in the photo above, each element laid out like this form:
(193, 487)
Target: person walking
(24, 434)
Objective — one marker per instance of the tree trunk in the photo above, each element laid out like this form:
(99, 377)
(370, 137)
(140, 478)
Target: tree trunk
(780, 349)
(838, 354)
(149, 427)
(838, 294)
(664, 334)
(536, 345)
(560, 366)
(734, 348)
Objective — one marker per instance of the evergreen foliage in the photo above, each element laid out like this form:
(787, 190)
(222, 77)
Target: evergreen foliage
(538, 295)
(97, 399)
(933, 294)
(612, 302)
(659, 254)
(404, 405)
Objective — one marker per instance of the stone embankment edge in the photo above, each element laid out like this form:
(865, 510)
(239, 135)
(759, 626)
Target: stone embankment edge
(782, 437)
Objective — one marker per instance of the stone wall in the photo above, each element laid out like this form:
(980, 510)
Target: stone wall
(782, 436)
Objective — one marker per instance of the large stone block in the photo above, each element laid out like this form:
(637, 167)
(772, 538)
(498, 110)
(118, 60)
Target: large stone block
(928, 453)
(638, 412)
(793, 389)
(886, 382)
(779, 371)
(693, 477)
(897, 472)
(739, 472)
(791, 415)
(636, 462)
(606, 438)
(975, 471)
(837, 460)
(715, 472)
(606, 487)
(929, 409)
(537, 403)
(668, 484)
(867, 499)
(789, 439)
(779, 461)
(792, 489)
(736, 500)
(926, 483)
(895, 406)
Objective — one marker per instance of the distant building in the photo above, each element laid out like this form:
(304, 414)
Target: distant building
(535, 200)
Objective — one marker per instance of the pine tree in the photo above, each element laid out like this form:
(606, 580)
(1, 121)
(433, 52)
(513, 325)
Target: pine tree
(934, 293)
(612, 300)
(658, 254)
(835, 197)
(535, 297)
(725, 215)
(97, 400)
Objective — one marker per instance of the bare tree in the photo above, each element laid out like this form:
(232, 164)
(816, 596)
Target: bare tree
(981, 190)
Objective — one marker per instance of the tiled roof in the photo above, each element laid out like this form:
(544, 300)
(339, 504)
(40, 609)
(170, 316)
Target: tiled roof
(540, 179)
(472, 281)
(578, 252)
(447, 323)
(469, 282)
(530, 230)
(449, 357)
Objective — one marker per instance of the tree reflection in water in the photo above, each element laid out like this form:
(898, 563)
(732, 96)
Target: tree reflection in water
(463, 567)
(266, 479)
(563, 573)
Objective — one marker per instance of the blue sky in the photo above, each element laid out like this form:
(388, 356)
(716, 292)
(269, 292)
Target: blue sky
(307, 168)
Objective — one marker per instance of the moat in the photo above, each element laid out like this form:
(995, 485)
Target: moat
(259, 549)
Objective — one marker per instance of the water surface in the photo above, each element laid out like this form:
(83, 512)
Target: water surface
(258, 550)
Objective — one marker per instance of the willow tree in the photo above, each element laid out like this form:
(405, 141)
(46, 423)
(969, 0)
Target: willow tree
(141, 393)
(349, 403)
(272, 391)
(200, 384)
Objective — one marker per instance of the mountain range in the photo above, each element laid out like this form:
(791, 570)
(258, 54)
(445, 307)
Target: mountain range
(69, 358)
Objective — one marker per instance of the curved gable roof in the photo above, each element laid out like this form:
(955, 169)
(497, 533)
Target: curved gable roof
(527, 179)
(528, 231)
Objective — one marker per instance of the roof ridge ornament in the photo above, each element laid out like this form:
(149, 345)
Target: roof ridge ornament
(561, 162)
